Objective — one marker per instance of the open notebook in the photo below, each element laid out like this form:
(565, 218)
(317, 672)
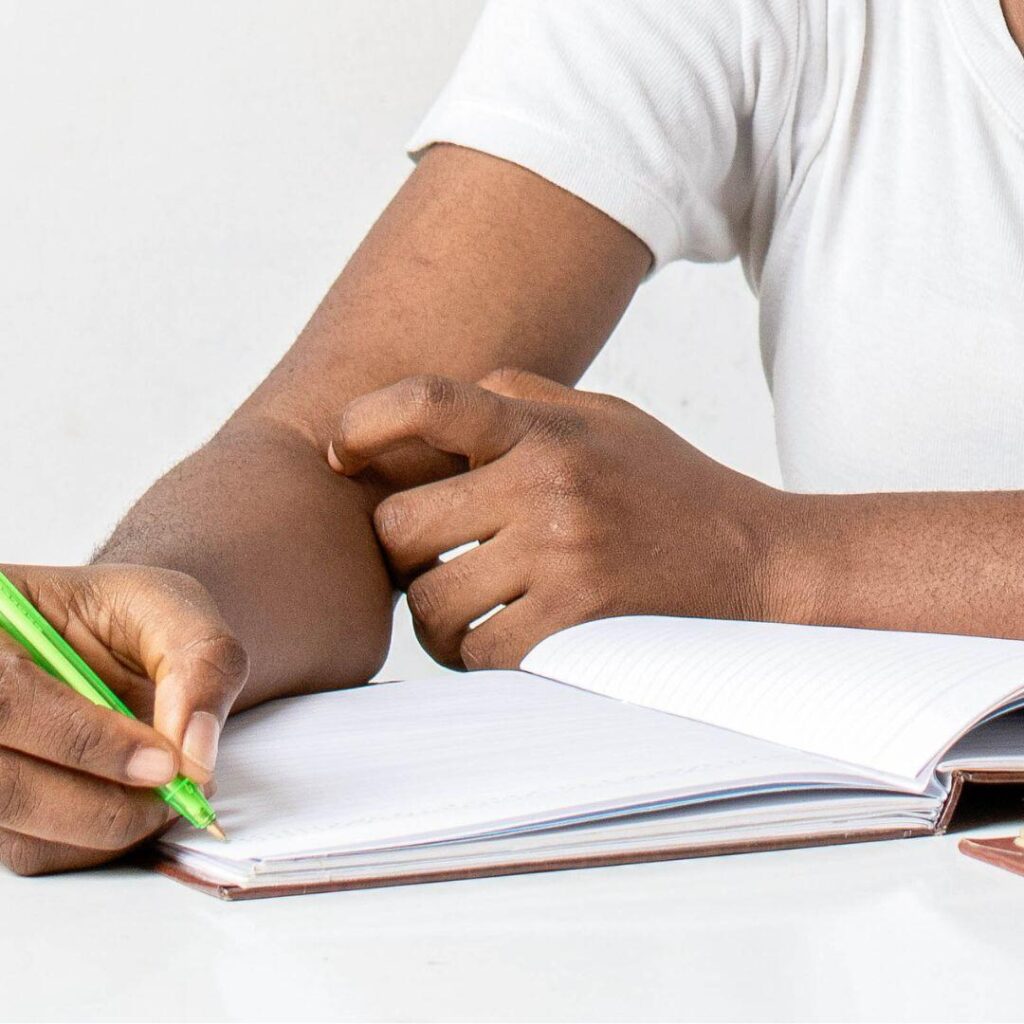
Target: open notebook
(620, 740)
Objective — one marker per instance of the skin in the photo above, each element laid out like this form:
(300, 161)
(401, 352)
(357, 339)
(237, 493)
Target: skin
(454, 278)
(553, 499)
(388, 435)
(574, 525)
(1013, 11)
(76, 780)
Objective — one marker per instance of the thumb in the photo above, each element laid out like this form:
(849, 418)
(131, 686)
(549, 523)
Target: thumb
(203, 676)
(516, 383)
(171, 628)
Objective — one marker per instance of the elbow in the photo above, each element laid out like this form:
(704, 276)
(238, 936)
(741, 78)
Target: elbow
(356, 648)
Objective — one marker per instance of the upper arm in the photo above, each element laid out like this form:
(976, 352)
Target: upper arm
(476, 264)
(618, 130)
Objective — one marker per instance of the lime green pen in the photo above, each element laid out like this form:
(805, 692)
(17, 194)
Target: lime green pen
(52, 653)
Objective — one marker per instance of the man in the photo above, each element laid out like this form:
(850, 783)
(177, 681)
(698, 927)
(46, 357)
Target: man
(866, 162)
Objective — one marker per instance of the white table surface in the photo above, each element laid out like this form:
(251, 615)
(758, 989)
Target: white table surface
(908, 930)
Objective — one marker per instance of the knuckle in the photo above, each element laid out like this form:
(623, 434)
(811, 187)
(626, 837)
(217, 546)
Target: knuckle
(562, 469)
(231, 655)
(391, 521)
(564, 477)
(172, 579)
(563, 430)
(489, 648)
(477, 649)
(122, 822)
(346, 426)
(613, 404)
(433, 394)
(12, 680)
(22, 855)
(85, 737)
(505, 377)
(442, 646)
(426, 599)
(572, 526)
(15, 803)
(223, 656)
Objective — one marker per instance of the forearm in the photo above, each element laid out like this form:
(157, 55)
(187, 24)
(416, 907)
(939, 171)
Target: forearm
(933, 562)
(284, 547)
(476, 264)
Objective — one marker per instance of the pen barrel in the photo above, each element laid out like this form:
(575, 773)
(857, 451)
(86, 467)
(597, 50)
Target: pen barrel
(185, 797)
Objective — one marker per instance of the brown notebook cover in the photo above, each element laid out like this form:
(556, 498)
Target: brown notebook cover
(171, 869)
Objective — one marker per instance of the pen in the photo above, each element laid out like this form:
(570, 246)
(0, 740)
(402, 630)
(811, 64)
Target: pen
(20, 619)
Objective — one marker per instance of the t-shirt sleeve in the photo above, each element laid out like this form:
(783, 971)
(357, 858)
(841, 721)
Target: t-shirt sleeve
(661, 114)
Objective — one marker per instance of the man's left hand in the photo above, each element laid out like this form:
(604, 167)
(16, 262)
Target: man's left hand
(584, 507)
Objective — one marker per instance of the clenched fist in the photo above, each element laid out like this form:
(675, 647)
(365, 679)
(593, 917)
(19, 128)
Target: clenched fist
(76, 780)
(583, 505)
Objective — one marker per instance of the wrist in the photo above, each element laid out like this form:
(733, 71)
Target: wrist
(796, 581)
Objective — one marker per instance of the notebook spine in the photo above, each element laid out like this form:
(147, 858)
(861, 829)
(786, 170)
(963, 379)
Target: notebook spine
(982, 776)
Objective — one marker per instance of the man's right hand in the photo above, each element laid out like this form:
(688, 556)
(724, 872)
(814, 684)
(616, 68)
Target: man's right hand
(76, 780)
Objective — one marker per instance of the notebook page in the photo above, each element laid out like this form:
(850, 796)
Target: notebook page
(805, 815)
(456, 756)
(892, 702)
(998, 744)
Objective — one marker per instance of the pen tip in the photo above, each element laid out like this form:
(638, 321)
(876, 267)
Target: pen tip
(217, 832)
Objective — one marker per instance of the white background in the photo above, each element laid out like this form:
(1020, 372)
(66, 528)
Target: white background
(179, 184)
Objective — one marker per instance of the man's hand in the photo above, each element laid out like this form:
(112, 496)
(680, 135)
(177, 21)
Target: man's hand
(583, 505)
(76, 779)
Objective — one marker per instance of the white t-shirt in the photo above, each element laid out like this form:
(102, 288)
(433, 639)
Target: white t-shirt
(863, 158)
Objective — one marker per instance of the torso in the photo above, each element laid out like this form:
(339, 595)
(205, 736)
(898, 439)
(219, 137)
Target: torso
(893, 287)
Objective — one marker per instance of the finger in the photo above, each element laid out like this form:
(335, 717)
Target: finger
(45, 718)
(416, 526)
(26, 855)
(204, 677)
(171, 628)
(446, 600)
(62, 806)
(522, 384)
(508, 635)
(450, 415)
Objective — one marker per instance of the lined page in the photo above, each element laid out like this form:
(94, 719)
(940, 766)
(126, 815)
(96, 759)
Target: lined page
(994, 745)
(459, 756)
(892, 702)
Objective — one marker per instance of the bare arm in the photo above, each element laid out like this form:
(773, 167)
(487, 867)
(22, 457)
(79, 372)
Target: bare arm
(587, 508)
(947, 562)
(476, 264)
